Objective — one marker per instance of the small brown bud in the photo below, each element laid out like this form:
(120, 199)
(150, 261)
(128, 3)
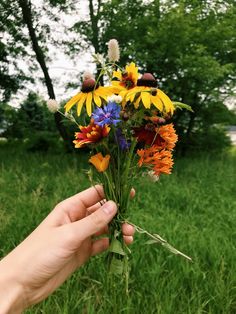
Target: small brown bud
(88, 85)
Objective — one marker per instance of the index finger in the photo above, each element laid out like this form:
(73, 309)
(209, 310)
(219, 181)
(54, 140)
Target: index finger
(75, 207)
(88, 197)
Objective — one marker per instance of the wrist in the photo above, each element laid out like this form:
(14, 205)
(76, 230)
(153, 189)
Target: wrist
(11, 292)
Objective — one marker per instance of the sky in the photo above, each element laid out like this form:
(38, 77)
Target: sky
(61, 69)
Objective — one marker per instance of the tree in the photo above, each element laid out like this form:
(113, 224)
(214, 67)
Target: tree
(11, 77)
(188, 45)
(21, 14)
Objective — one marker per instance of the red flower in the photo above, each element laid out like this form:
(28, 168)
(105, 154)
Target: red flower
(90, 134)
(160, 136)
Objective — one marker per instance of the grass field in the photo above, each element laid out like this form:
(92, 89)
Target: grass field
(194, 209)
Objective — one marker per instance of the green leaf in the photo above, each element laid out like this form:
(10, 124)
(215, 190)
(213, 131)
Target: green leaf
(181, 106)
(151, 242)
(117, 266)
(116, 247)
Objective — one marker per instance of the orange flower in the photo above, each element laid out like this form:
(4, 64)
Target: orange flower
(100, 163)
(90, 134)
(161, 137)
(161, 161)
(167, 133)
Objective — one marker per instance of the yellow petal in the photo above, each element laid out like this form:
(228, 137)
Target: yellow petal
(131, 96)
(72, 101)
(167, 102)
(97, 99)
(89, 103)
(146, 99)
(80, 104)
(136, 104)
(117, 74)
(157, 102)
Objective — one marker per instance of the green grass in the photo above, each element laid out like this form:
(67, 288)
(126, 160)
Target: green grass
(194, 209)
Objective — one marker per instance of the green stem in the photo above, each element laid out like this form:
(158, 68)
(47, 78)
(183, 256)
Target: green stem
(160, 240)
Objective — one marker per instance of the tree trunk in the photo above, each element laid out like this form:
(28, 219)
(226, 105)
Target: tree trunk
(25, 6)
(95, 32)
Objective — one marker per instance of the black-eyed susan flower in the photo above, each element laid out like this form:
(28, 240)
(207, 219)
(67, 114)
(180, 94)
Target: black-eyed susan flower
(91, 93)
(100, 163)
(147, 94)
(126, 79)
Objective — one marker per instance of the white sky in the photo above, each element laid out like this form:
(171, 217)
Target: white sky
(62, 69)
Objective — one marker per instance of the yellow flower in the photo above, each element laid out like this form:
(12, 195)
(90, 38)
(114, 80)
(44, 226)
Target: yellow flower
(100, 163)
(127, 79)
(147, 93)
(90, 93)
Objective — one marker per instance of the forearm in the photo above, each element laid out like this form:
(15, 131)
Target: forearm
(11, 292)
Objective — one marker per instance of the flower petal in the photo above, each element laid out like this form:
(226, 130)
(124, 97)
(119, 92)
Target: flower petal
(89, 103)
(97, 99)
(136, 104)
(72, 101)
(80, 104)
(157, 102)
(146, 99)
(167, 102)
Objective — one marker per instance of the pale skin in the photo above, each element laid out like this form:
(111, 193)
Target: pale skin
(62, 243)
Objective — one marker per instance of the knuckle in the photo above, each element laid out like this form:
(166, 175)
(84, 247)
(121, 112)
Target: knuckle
(97, 219)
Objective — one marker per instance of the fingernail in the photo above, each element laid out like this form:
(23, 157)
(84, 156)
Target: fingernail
(109, 207)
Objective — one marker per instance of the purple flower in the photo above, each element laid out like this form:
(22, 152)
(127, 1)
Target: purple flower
(121, 141)
(109, 114)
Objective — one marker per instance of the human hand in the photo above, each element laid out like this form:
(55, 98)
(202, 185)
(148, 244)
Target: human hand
(56, 248)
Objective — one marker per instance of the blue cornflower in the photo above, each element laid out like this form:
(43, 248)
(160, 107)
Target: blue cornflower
(121, 141)
(109, 114)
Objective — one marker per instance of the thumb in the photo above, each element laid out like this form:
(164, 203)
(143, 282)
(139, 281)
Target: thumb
(91, 224)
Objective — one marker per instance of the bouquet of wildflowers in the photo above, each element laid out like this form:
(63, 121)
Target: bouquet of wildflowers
(128, 132)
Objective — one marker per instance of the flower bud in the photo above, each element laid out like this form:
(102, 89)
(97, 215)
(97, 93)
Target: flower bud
(87, 75)
(88, 85)
(113, 50)
(52, 105)
(124, 115)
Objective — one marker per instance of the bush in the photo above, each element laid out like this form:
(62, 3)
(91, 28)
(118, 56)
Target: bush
(43, 141)
(213, 139)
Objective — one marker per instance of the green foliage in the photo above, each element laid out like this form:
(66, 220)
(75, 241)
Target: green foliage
(190, 47)
(194, 209)
(33, 124)
(32, 117)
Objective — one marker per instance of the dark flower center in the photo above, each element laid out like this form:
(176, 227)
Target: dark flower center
(148, 80)
(89, 85)
(127, 80)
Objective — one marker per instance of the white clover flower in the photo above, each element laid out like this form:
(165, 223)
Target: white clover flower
(87, 75)
(152, 176)
(114, 98)
(52, 105)
(113, 50)
(99, 58)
